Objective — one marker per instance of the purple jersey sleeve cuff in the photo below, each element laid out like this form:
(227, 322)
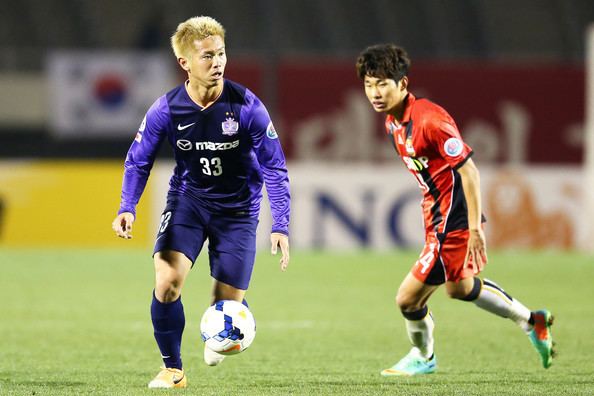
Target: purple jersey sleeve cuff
(284, 230)
(129, 210)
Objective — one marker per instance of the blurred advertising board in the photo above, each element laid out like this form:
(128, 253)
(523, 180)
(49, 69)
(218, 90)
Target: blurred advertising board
(65, 204)
(334, 206)
(508, 113)
(98, 93)
(348, 207)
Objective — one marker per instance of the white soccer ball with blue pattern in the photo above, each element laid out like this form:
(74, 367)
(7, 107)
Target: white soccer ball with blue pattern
(228, 327)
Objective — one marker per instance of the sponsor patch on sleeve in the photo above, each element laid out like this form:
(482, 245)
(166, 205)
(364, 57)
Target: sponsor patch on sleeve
(141, 128)
(271, 132)
(453, 147)
(142, 125)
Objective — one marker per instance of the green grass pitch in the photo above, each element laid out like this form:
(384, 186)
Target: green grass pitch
(77, 322)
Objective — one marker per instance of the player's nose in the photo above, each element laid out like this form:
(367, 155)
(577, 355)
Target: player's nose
(217, 62)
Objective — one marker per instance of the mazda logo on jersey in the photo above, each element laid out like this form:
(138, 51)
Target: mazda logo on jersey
(184, 145)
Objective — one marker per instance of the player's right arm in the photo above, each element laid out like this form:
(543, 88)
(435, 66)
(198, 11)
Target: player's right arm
(138, 164)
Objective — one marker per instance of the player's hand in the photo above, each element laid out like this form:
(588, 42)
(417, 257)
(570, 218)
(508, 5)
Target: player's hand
(122, 225)
(278, 239)
(477, 250)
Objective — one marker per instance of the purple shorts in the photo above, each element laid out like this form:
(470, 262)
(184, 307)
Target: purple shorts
(185, 225)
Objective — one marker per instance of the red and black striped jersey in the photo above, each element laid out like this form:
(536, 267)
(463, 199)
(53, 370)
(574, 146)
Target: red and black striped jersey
(432, 149)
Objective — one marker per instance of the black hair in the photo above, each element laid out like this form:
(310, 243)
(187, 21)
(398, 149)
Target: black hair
(383, 61)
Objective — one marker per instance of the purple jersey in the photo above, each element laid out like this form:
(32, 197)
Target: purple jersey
(223, 154)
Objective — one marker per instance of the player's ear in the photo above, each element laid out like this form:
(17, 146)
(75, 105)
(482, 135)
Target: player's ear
(404, 83)
(184, 63)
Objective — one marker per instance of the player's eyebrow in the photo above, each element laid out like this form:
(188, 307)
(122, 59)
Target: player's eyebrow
(214, 51)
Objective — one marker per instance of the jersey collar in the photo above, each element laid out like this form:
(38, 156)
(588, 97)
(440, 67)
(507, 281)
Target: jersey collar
(203, 108)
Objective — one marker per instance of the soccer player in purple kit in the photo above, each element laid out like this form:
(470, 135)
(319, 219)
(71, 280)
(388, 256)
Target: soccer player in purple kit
(225, 147)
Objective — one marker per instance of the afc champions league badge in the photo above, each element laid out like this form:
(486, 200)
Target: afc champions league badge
(453, 147)
(230, 126)
(271, 132)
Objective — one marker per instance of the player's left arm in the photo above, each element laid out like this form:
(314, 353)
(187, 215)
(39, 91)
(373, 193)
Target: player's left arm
(271, 158)
(477, 247)
(457, 154)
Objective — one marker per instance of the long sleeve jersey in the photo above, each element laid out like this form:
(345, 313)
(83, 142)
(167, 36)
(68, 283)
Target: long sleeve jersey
(223, 152)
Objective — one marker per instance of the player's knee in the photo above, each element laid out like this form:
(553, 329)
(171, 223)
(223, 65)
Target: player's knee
(168, 288)
(167, 292)
(467, 291)
(407, 303)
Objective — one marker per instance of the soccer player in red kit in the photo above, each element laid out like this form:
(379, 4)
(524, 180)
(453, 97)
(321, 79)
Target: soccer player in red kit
(426, 138)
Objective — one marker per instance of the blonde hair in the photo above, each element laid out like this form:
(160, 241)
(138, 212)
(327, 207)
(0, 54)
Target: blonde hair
(196, 28)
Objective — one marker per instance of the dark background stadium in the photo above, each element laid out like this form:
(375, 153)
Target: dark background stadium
(523, 32)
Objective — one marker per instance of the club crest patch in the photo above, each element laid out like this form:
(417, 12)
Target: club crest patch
(230, 126)
(409, 147)
(271, 132)
(453, 147)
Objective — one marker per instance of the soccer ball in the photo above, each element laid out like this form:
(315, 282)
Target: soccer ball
(228, 327)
